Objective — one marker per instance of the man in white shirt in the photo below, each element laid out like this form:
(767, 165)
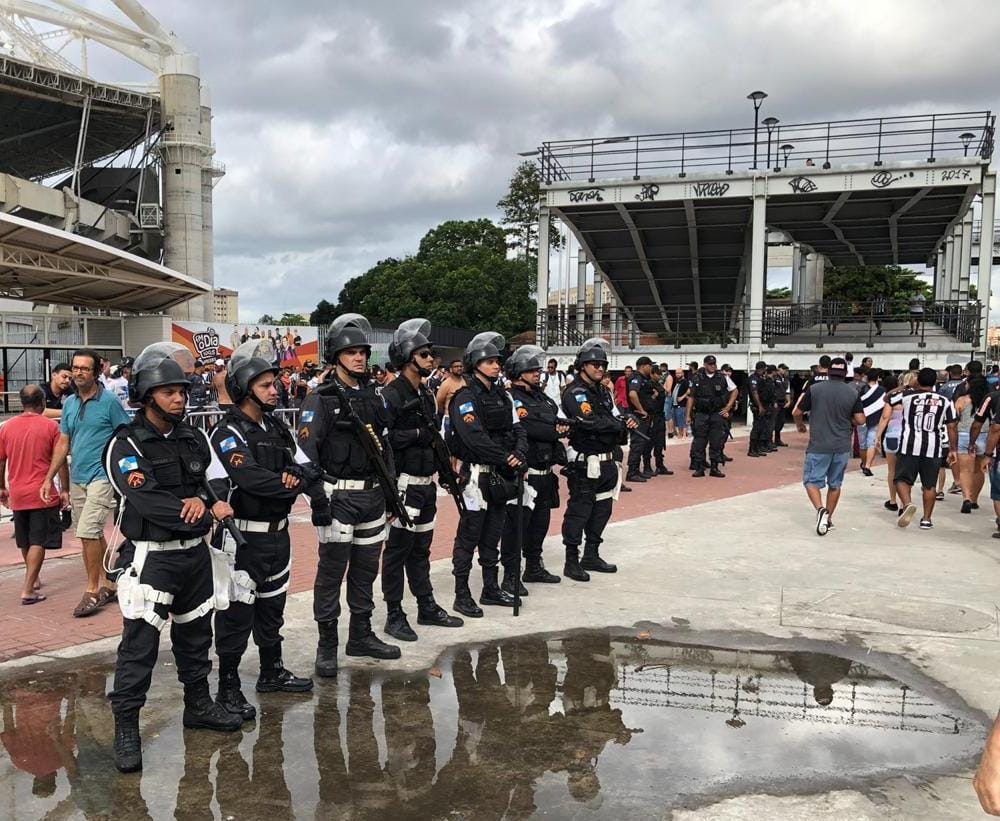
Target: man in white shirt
(917, 303)
(553, 381)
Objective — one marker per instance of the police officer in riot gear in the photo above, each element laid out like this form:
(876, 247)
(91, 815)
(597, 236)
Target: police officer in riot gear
(782, 400)
(645, 401)
(157, 466)
(710, 402)
(539, 416)
(351, 520)
(258, 454)
(486, 435)
(759, 404)
(770, 398)
(408, 549)
(594, 468)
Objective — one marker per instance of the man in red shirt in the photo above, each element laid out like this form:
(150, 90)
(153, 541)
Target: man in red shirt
(621, 389)
(26, 445)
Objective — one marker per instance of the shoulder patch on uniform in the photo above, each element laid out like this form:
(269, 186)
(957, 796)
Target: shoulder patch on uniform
(304, 433)
(237, 460)
(521, 412)
(469, 418)
(227, 444)
(136, 479)
(128, 463)
(307, 417)
(585, 408)
(580, 397)
(466, 407)
(518, 403)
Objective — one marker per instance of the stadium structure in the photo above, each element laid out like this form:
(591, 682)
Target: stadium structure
(105, 189)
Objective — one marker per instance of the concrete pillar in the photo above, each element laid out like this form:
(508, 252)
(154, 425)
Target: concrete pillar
(956, 263)
(947, 265)
(183, 150)
(965, 261)
(984, 286)
(939, 274)
(542, 279)
(581, 291)
(598, 323)
(822, 263)
(757, 274)
(796, 274)
(208, 175)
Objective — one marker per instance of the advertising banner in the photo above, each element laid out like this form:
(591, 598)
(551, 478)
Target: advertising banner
(209, 341)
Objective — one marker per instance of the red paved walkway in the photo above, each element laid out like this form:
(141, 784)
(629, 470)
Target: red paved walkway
(50, 625)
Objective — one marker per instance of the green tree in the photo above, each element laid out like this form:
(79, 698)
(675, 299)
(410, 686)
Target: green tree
(520, 207)
(290, 319)
(862, 283)
(779, 293)
(266, 319)
(324, 313)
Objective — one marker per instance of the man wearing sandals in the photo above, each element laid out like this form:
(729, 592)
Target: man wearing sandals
(89, 419)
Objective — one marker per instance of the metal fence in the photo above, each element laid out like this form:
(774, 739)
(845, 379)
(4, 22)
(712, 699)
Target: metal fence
(923, 137)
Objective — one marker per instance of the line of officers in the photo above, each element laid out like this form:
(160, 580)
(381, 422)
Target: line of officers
(367, 462)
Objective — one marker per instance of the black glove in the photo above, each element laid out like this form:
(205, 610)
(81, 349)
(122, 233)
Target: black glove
(311, 472)
(294, 470)
(424, 437)
(322, 516)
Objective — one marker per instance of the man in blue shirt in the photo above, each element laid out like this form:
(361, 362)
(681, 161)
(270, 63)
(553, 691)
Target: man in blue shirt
(89, 418)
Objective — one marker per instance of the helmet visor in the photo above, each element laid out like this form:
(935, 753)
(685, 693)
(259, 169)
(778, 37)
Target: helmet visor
(251, 349)
(411, 334)
(154, 354)
(481, 340)
(350, 321)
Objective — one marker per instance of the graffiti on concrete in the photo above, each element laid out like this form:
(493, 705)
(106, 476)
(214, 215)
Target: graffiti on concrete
(802, 185)
(956, 174)
(648, 193)
(883, 179)
(586, 195)
(710, 189)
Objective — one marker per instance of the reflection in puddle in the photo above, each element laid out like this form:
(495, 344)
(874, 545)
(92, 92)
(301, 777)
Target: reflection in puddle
(590, 724)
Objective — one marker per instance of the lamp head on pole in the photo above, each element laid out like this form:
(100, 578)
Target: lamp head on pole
(966, 139)
(756, 97)
(769, 123)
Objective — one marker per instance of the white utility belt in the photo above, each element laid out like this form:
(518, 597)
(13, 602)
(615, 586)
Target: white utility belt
(250, 526)
(409, 479)
(347, 484)
(539, 471)
(601, 457)
(483, 468)
(176, 544)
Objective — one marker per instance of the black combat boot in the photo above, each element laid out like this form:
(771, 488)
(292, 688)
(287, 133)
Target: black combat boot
(201, 713)
(699, 473)
(429, 612)
(646, 473)
(492, 592)
(509, 578)
(128, 744)
(636, 477)
(361, 641)
(663, 470)
(230, 696)
(275, 678)
(718, 474)
(396, 624)
(326, 649)
(464, 603)
(753, 450)
(572, 568)
(593, 561)
(534, 571)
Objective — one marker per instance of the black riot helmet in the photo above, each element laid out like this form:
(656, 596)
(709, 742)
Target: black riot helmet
(159, 365)
(594, 349)
(410, 336)
(526, 358)
(486, 345)
(347, 331)
(251, 359)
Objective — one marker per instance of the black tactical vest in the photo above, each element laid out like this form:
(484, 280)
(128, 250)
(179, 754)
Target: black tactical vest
(710, 392)
(493, 407)
(341, 453)
(587, 441)
(272, 449)
(542, 411)
(179, 463)
(413, 410)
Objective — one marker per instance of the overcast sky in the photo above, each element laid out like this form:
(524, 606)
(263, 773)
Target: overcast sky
(349, 129)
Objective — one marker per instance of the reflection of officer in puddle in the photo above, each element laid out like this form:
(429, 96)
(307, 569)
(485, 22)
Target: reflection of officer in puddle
(820, 670)
(409, 737)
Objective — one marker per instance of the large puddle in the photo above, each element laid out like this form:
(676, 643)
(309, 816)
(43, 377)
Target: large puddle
(592, 724)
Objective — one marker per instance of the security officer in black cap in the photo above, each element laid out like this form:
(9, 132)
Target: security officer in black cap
(644, 400)
(263, 474)
(539, 416)
(772, 400)
(157, 465)
(782, 400)
(595, 456)
(487, 436)
(351, 520)
(408, 549)
(759, 403)
(710, 402)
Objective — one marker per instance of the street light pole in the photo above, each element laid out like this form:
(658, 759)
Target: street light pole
(966, 139)
(769, 124)
(786, 149)
(756, 97)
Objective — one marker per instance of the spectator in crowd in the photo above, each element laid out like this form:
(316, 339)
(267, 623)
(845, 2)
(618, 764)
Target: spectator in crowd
(88, 421)
(872, 401)
(889, 429)
(680, 395)
(993, 378)
(198, 391)
(219, 385)
(117, 383)
(917, 303)
(57, 390)
(553, 381)
(621, 388)
(26, 445)
(971, 453)
(921, 447)
(880, 311)
(450, 385)
(834, 408)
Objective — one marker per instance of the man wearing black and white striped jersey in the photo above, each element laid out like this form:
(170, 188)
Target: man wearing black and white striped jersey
(921, 446)
(872, 402)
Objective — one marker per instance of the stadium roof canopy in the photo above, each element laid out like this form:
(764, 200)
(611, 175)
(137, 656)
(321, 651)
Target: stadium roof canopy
(45, 264)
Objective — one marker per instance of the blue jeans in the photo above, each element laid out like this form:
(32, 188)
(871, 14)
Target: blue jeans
(866, 436)
(680, 416)
(822, 469)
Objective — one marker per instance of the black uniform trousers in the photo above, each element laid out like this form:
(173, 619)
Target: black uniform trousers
(480, 529)
(350, 545)
(586, 517)
(779, 422)
(534, 521)
(409, 551)
(187, 576)
(760, 430)
(658, 433)
(707, 429)
(267, 558)
(639, 449)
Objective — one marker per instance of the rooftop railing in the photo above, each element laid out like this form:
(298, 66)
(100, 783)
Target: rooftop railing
(922, 138)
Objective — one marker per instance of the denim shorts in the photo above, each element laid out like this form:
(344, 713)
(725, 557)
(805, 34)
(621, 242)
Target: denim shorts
(963, 442)
(891, 443)
(680, 416)
(822, 469)
(866, 436)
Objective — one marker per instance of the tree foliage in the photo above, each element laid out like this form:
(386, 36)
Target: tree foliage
(324, 313)
(862, 283)
(520, 206)
(779, 293)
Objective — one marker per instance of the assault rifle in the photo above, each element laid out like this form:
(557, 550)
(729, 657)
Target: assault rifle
(442, 456)
(372, 444)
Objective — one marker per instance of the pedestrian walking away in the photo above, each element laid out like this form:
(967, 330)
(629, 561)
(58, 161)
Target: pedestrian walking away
(157, 465)
(418, 453)
(263, 473)
(486, 435)
(834, 408)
